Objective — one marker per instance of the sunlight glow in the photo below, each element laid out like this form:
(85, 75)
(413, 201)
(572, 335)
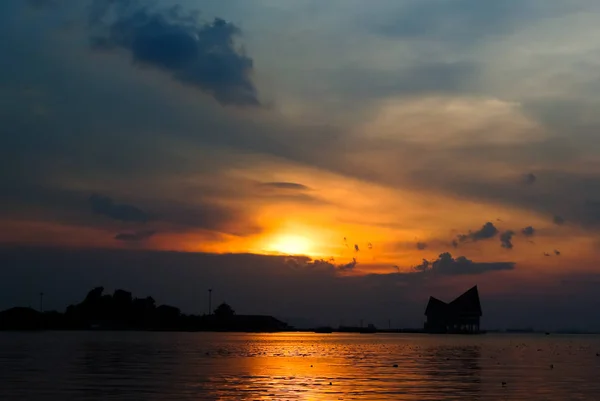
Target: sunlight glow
(290, 245)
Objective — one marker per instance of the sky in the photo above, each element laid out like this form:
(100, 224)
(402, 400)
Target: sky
(326, 161)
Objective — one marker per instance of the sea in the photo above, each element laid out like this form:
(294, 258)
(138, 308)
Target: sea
(297, 366)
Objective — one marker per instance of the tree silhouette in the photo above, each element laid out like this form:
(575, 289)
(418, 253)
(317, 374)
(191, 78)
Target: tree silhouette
(224, 310)
(121, 311)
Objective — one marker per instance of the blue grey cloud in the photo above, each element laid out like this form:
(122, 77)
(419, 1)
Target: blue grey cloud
(203, 55)
(466, 20)
(103, 205)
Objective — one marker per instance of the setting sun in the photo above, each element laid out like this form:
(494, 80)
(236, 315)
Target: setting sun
(291, 245)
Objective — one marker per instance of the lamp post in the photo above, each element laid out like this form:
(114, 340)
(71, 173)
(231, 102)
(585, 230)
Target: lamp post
(210, 301)
(41, 302)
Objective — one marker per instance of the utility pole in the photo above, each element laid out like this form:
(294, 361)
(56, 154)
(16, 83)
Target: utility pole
(209, 301)
(41, 302)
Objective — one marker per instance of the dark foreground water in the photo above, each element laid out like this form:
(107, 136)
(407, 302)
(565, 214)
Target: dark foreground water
(296, 366)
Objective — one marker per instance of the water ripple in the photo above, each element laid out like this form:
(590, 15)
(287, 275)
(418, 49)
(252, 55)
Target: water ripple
(296, 366)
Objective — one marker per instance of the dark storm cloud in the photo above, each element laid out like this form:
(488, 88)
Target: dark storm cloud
(558, 220)
(285, 185)
(136, 236)
(506, 239)
(201, 55)
(486, 232)
(447, 265)
(105, 206)
(528, 231)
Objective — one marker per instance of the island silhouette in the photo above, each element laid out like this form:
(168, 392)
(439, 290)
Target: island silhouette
(121, 311)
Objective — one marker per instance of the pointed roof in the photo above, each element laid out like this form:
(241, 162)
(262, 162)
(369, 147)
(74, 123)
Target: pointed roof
(435, 306)
(468, 303)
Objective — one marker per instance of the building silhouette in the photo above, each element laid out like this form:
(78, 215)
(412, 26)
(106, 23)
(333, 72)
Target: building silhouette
(459, 316)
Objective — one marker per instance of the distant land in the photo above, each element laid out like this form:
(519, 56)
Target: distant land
(120, 311)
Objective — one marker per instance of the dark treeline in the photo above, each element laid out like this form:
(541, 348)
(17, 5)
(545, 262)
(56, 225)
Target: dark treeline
(120, 311)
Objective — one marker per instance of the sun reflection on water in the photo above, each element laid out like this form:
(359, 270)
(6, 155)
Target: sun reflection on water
(297, 366)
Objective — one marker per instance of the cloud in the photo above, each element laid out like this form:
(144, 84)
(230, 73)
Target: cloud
(424, 266)
(571, 193)
(289, 192)
(486, 232)
(103, 205)
(178, 212)
(458, 20)
(303, 262)
(206, 215)
(506, 239)
(529, 179)
(285, 185)
(201, 55)
(447, 265)
(421, 246)
(528, 231)
(348, 266)
(136, 236)
(591, 212)
(425, 77)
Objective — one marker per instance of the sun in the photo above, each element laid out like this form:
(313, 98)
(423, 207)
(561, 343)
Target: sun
(290, 244)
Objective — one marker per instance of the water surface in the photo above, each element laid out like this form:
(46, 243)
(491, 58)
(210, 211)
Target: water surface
(296, 366)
